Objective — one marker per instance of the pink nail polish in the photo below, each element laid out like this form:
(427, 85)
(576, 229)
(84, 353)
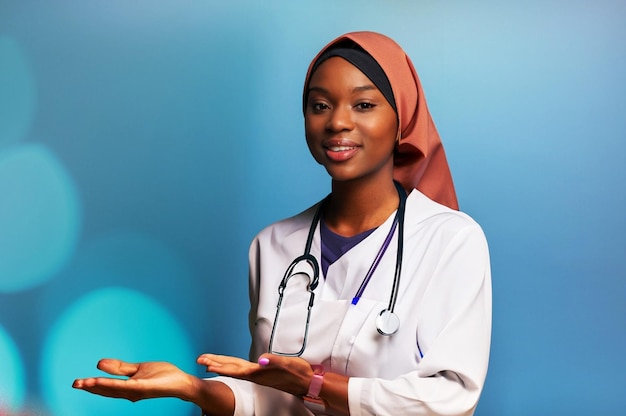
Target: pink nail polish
(264, 361)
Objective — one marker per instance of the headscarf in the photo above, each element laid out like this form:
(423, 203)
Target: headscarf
(419, 160)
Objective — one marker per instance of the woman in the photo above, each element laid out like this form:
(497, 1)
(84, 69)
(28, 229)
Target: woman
(401, 314)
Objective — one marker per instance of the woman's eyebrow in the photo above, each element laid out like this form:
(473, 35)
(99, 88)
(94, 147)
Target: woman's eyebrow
(368, 87)
(317, 89)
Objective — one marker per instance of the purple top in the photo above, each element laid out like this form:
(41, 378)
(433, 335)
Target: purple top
(334, 245)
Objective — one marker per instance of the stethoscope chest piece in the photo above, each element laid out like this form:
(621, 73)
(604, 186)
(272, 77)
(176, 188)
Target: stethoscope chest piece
(387, 322)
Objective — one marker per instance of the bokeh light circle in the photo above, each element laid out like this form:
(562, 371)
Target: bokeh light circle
(111, 322)
(17, 97)
(39, 216)
(12, 380)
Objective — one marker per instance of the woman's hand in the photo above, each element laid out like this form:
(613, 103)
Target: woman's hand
(145, 381)
(289, 374)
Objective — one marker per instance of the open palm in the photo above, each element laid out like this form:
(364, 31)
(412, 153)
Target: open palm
(145, 380)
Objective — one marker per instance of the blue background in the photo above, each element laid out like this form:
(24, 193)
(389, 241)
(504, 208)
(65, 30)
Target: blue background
(143, 144)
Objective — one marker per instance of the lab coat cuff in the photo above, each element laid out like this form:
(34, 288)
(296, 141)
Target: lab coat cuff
(243, 392)
(356, 395)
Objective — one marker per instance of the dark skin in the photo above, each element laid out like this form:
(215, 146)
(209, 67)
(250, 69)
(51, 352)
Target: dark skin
(346, 111)
(351, 130)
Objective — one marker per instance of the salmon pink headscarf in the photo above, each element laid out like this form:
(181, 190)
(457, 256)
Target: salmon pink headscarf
(420, 161)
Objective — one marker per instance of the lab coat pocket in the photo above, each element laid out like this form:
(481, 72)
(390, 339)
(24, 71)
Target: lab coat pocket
(362, 343)
(326, 321)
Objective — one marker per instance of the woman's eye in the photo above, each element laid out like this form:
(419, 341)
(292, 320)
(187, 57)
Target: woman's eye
(365, 106)
(319, 106)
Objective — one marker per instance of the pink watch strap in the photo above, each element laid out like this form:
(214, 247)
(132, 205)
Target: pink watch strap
(316, 382)
(312, 399)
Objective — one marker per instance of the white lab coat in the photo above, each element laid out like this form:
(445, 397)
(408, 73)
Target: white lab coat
(444, 305)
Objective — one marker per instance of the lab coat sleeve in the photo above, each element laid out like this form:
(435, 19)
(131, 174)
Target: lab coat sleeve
(243, 392)
(454, 333)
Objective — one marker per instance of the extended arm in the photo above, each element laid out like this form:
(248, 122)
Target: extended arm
(158, 379)
(288, 374)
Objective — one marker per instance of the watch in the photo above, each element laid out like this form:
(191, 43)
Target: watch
(312, 399)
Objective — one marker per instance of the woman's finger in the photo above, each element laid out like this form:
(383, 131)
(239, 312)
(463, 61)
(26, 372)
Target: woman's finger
(111, 387)
(227, 365)
(224, 359)
(116, 388)
(117, 367)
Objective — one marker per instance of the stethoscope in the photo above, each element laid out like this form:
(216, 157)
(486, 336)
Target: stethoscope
(387, 321)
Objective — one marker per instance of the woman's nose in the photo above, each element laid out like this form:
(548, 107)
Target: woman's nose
(340, 119)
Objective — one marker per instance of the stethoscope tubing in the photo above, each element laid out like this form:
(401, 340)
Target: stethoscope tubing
(387, 322)
(398, 271)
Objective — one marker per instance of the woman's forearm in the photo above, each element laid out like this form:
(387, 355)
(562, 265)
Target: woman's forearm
(213, 397)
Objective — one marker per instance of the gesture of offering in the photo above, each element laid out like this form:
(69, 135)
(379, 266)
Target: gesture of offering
(145, 381)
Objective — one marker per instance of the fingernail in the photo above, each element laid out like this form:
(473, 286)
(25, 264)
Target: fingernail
(264, 361)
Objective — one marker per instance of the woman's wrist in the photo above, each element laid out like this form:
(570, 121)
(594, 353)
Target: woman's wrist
(326, 392)
(312, 398)
(334, 393)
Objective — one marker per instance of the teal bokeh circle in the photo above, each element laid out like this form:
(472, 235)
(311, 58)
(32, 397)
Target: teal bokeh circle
(113, 322)
(39, 216)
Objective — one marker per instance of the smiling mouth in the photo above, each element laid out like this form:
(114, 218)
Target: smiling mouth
(340, 153)
(340, 148)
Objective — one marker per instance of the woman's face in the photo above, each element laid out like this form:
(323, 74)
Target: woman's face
(350, 127)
